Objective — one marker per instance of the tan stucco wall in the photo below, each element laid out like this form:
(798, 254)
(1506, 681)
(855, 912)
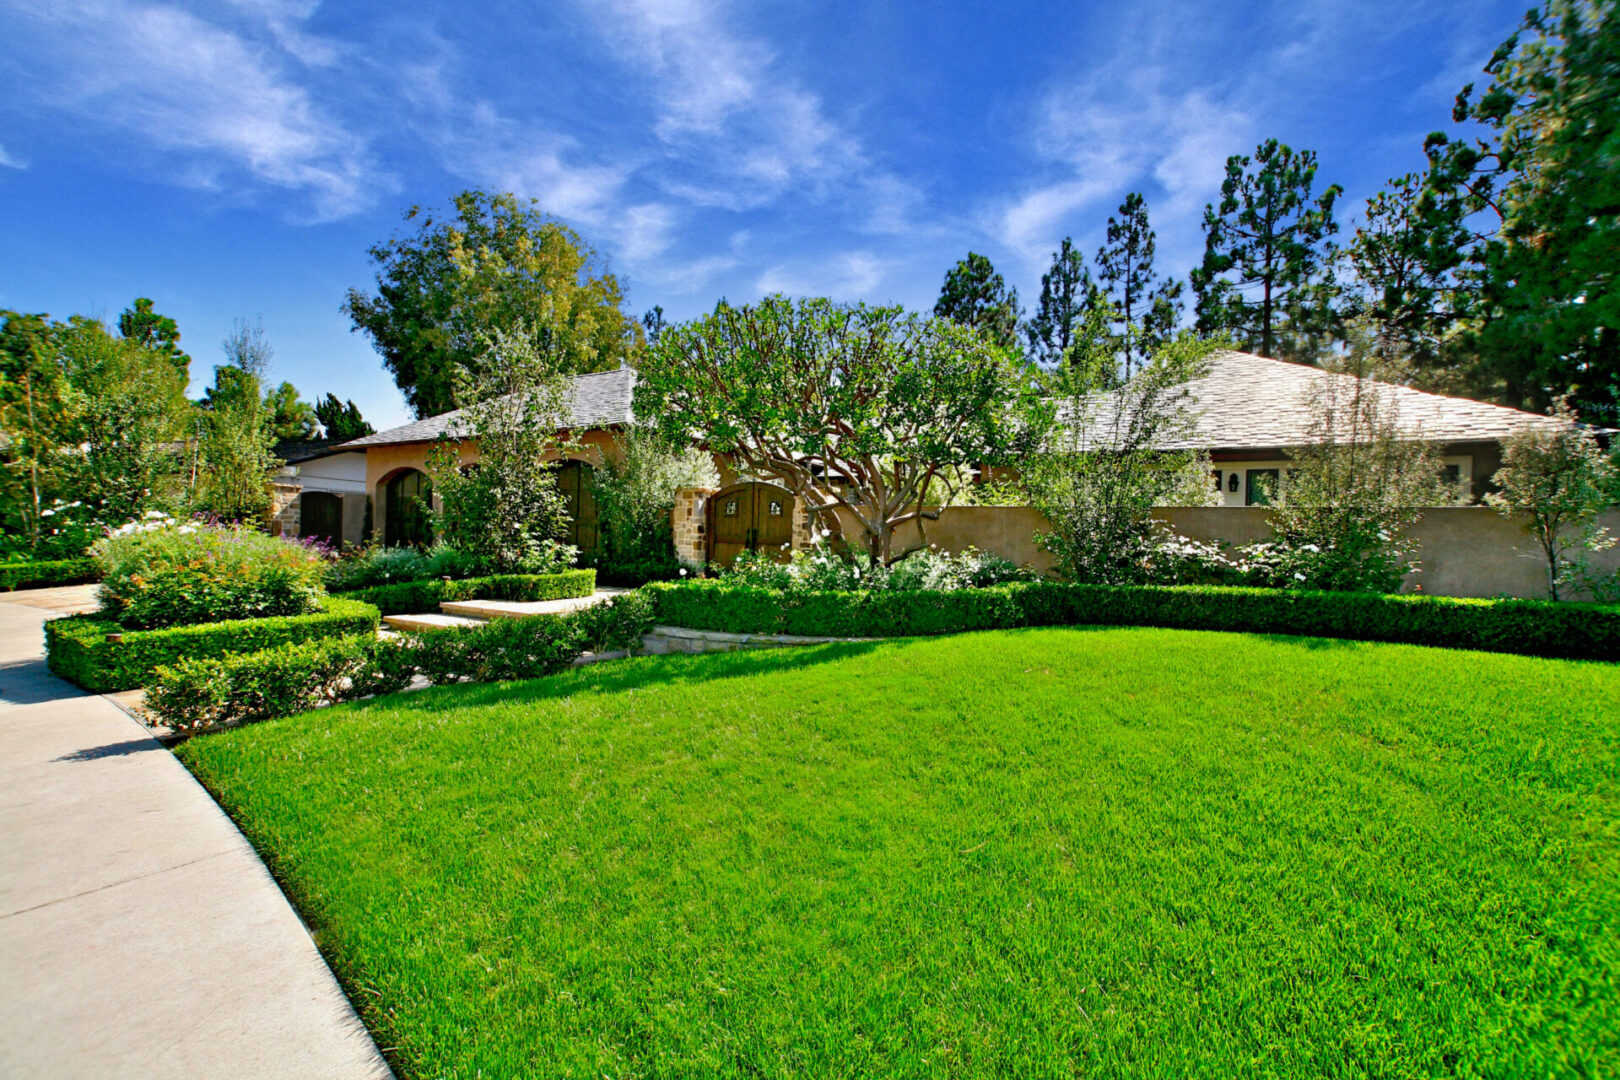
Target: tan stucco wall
(382, 462)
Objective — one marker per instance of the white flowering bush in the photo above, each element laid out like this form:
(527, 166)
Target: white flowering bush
(821, 568)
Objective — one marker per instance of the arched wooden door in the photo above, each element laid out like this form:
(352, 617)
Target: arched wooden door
(577, 482)
(320, 516)
(750, 517)
(405, 502)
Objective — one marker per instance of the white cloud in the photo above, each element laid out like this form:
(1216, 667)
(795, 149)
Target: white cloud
(852, 276)
(9, 162)
(153, 77)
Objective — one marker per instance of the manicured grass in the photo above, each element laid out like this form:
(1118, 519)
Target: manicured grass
(1123, 852)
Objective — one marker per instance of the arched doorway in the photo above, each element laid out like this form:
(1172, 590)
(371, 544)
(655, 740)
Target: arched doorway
(406, 497)
(320, 516)
(750, 517)
(577, 482)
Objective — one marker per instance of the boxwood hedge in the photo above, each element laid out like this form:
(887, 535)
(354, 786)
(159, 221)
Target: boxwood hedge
(38, 575)
(1532, 627)
(415, 597)
(102, 657)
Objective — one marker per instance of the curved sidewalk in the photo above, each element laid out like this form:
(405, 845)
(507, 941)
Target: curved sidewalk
(140, 935)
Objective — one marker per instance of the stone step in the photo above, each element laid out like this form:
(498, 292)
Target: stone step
(429, 621)
(516, 609)
(669, 639)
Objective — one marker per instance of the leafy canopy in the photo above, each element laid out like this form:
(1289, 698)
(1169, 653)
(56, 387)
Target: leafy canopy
(493, 264)
(850, 407)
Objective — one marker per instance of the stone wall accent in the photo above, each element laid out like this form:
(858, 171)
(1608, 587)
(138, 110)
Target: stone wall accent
(689, 523)
(282, 516)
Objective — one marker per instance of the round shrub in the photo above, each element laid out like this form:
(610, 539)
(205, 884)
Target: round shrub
(168, 574)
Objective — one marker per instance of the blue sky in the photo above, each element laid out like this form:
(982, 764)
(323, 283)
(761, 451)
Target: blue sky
(235, 159)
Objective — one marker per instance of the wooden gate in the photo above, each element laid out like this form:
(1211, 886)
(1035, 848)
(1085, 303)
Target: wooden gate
(576, 481)
(750, 517)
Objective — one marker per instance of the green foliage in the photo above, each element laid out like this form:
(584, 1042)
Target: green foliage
(635, 494)
(195, 695)
(159, 333)
(805, 391)
(1532, 627)
(39, 575)
(1267, 277)
(173, 575)
(377, 565)
(506, 508)
(1516, 231)
(235, 453)
(1067, 293)
(82, 649)
(415, 597)
(1555, 477)
(1145, 308)
(341, 420)
(200, 695)
(976, 296)
(292, 419)
(1106, 465)
(495, 263)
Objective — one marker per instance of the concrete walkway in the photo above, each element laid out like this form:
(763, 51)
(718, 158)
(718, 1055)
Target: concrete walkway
(140, 936)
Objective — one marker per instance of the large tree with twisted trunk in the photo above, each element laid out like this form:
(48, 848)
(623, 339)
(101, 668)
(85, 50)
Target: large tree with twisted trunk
(873, 410)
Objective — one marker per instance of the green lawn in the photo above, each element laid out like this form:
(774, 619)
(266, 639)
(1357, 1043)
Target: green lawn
(1027, 853)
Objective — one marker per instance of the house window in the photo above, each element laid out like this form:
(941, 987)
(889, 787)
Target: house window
(1217, 476)
(776, 508)
(1260, 487)
(1451, 475)
(731, 508)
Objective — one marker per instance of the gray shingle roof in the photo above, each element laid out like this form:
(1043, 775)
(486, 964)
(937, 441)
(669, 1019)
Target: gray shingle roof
(1251, 402)
(601, 399)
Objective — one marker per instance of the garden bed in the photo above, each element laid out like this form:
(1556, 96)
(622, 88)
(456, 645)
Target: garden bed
(101, 656)
(1532, 627)
(414, 597)
(1099, 852)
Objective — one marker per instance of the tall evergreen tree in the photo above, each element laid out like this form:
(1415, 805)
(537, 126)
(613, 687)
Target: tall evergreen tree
(1267, 274)
(1146, 308)
(975, 295)
(1067, 292)
(341, 420)
(1536, 295)
(146, 328)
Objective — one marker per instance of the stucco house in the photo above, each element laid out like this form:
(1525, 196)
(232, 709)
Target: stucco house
(1250, 409)
(319, 492)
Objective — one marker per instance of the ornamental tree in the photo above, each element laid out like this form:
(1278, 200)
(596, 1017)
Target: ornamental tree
(853, 407)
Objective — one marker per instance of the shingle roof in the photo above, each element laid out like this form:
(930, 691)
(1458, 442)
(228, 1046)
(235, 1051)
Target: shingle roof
(601, 399)
(1251, 402)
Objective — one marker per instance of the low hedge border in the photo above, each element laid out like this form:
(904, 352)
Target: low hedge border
(80, 650)
(416, 597)
(37, 575)
(1530, 627)
(201, 695)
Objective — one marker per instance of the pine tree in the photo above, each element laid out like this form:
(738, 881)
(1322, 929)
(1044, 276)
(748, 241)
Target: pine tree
(1146, 309)
(1067, 292)
(975, 295)
(1267, 276)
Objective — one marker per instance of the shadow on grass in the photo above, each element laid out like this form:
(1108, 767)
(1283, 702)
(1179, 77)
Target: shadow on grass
(635, 673)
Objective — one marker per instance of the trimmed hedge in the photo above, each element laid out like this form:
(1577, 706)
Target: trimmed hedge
(80, 651)
(1532, 627)
(36, 575)
(200, 695)
(415, 597)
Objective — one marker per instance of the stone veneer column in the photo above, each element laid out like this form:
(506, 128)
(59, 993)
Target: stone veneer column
(688, 522)
(283, 515)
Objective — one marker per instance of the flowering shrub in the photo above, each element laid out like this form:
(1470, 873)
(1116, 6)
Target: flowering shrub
(821, 569)
(163, 573)
(1332, 549)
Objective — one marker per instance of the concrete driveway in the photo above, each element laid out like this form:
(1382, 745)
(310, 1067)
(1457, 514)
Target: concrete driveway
(140, 935)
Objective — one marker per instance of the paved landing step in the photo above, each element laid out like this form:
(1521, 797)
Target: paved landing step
(516, 609)
(428, 622)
